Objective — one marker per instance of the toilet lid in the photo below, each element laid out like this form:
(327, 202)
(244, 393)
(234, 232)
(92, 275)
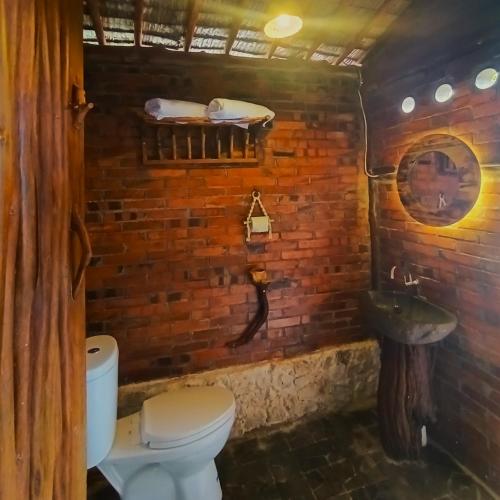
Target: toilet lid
(172, 418)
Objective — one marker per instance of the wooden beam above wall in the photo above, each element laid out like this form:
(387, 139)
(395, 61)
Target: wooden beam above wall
(138, 21)
(318, 41)
(356, 40)
(95, 15)
(272, 49)
(235, 27)
(191, 21)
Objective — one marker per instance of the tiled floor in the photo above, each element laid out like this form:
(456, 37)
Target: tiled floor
(335, 457)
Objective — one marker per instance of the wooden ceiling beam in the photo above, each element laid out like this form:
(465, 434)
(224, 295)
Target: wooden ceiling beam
(138, 21)
(356, 40)
(235, 27)
(320, 40)
(272, 49)
(191, 21)
(95, 15)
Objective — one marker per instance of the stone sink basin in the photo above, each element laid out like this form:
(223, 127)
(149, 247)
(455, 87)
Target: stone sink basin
(407, 319)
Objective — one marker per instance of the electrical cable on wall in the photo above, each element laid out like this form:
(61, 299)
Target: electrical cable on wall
(365, 134)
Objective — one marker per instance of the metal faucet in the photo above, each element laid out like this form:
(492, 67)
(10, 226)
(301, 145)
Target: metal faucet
(408, 279)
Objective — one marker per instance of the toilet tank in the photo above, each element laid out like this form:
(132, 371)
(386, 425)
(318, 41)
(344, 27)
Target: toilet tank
(102, 394)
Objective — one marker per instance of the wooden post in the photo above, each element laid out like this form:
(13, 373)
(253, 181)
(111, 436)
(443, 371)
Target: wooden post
(203, 143)
(231, 142)
(189, 146)
(247, 142)
(159, 144)
(217, 138)
(42, 344)
(174, 144)
(404, 397)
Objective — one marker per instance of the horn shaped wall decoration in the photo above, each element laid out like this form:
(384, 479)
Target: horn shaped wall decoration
(259, 279)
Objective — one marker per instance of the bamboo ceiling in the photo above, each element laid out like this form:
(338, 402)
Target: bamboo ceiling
(339, 32)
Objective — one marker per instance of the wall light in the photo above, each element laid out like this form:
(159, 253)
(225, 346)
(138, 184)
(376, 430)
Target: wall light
(444, 93)
(283, 25)
(408, 104)
(486, 78)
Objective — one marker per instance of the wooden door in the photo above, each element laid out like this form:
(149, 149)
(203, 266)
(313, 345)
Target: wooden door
(42, 361)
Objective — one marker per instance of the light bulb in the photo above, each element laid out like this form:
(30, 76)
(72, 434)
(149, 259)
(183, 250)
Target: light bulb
(444, 93)
(283, 26)
(408, 104)
(486, 78)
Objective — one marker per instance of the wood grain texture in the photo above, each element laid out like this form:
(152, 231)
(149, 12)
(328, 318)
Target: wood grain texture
(404, 397)
(42, 338)
(191, 20)
(95, 15)
(8, 236)
(138, 22)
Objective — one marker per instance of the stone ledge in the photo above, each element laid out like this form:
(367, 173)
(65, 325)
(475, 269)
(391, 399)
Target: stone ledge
(333, 379)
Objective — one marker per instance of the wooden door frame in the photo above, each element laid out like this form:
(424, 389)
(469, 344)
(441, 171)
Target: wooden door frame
(42, 339)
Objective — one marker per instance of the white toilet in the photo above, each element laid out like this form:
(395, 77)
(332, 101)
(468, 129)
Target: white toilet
(164, 452)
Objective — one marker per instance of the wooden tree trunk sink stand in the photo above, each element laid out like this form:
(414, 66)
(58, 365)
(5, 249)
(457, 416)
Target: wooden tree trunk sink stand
(259, 280)
(404, 397)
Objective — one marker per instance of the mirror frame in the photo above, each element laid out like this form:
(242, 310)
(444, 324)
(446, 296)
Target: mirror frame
(468, 175)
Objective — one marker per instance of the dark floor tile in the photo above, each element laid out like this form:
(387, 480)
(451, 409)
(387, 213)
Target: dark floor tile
(300, 437)
(325, 483)
(336, 457)
(461, 486)
(295, 488)
(246, 451)
(320, 429)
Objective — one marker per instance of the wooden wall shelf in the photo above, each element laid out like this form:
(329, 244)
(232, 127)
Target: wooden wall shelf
(188, 142)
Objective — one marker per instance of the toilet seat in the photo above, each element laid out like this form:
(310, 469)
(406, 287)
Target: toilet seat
(177, 418)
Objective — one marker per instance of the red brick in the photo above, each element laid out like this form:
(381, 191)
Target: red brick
(461, 264)
(179, 232)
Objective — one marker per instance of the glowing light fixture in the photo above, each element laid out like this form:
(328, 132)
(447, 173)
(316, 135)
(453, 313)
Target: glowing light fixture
(444, 93)
(408, 104)
(283, 25)
(486, 79)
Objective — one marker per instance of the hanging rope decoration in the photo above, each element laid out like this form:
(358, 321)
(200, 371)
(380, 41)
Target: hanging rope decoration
(259, 224)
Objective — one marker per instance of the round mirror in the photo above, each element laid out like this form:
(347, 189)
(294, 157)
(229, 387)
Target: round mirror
(439, 180)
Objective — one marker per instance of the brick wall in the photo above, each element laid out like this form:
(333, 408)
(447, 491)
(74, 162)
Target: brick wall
(169, 273)
(459, 266)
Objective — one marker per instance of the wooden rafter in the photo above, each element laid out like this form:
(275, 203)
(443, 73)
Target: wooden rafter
(191, 21)
(317, 42)
(354, 43)
(235, 27)
(138, 21)
(95, 15)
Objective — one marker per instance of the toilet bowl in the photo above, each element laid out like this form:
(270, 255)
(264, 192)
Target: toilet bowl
(165, 451)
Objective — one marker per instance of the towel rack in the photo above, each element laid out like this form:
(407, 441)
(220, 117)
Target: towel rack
(186, 142)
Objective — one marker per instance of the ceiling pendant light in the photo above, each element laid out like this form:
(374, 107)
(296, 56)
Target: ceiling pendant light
(283, 25)
(285, 21)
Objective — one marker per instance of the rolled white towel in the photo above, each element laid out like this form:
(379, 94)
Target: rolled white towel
(171, 108)
(229, 109)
